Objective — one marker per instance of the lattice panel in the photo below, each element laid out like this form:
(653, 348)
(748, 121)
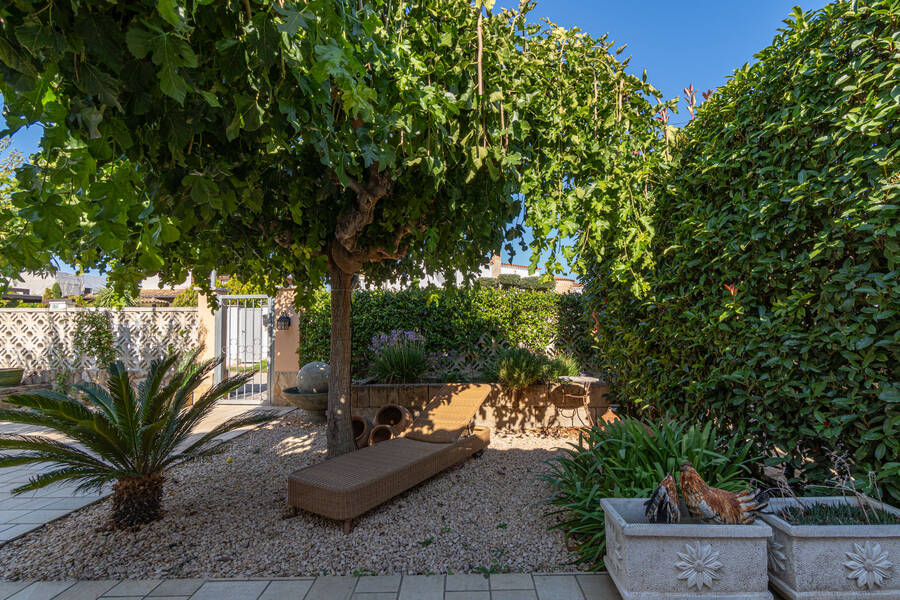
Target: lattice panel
(40, 340)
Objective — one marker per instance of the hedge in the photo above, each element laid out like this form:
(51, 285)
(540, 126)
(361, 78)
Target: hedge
(450, 320)
(772, 303)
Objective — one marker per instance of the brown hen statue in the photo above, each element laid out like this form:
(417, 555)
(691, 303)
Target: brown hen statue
(711, 504)
(662, 507)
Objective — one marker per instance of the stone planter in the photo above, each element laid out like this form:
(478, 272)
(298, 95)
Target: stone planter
(11, 377)
(685, 561)
(833, 562)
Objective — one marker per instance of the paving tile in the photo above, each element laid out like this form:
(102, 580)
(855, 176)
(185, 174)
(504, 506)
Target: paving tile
(163, 598)
(557, 587)
(379, 583)
(42, 515)
(466, 583)
(512, 581)
(331, 588)
(67, 503)
(16, 503)
(133, 587)
(375, 596)
(7, 516)
(177, 587)
(513, 595)
(468, 595)
(292, 589)
(8, 588)
(598, 587)
(41, 590)
(17, 530)
(230, 590)
(422, 587)
(87, 590)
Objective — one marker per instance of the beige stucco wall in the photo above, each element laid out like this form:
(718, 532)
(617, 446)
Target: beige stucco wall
(206, 335)
(286, 346)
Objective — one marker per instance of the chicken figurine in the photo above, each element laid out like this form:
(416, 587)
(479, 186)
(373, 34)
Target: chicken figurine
(710, 504)
(662, 507)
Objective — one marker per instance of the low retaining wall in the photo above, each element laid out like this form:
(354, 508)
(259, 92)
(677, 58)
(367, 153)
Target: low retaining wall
(538, 406)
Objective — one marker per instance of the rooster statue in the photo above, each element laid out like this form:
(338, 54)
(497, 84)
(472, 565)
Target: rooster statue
(662, 507)
(707, 503)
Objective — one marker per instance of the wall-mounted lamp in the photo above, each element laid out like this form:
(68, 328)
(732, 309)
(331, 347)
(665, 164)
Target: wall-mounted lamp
(283, 323)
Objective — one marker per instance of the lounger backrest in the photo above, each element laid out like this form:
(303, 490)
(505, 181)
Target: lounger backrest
(449, 413)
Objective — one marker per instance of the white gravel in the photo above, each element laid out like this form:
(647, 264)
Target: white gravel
(229, 519)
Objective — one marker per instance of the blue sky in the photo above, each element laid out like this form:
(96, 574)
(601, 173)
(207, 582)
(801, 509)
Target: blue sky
(678, 43)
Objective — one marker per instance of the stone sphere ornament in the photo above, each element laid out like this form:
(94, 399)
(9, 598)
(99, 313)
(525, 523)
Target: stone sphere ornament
(313, 378)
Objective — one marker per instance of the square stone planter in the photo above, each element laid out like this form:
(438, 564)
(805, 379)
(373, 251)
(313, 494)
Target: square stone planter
(833, 562)
(684, 561)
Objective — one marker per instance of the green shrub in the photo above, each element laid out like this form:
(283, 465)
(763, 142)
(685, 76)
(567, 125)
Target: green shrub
(769, 300)
(93, 337)
(404, 362)
(517, 368)
(452, 321)
(628, 459)
(563, 364)
(187, 298)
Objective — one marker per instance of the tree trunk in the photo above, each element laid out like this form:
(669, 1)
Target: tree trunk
(340, 430)
(137, 500)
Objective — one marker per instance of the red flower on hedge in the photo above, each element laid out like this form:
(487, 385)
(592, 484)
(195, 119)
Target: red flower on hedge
(732, 289)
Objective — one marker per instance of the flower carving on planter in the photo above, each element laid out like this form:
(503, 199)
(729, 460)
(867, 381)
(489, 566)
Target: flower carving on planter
(776, 557)
(699, 565)
(613, 550)
(869, 566)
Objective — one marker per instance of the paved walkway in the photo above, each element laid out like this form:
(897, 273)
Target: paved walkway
(25, 512)
(392, 587)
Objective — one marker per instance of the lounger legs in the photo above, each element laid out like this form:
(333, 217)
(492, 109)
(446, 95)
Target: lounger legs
(347, 524)
(478, 454)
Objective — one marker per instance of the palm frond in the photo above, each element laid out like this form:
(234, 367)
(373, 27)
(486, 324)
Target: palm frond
(90, 479)
(119, 387)
(151, 401)
(99, 398)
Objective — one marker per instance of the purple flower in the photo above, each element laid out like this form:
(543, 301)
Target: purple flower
(395, 337)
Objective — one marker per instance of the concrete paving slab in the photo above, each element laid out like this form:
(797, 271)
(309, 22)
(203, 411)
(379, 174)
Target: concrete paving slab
(177, 587)
(598, 586)
(8, 588)
(557, 587)
(422, 587)
(133, 587)
(467, 595)
(87, 590)
(511, 581)
(286, 590)
(230, 590)
(42, 590)
(460, 583)
(331, 587)
(379, 583)
(513, 595)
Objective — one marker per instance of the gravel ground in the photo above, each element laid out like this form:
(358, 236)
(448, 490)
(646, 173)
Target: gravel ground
(229, 519)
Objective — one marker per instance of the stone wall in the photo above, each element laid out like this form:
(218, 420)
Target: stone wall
(40, 340)
(538, 406)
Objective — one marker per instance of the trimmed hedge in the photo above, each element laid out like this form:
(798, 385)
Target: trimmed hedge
(451, 321)
(771, 303)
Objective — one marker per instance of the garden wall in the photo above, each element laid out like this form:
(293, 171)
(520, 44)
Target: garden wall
(40, 340)
(538, 406)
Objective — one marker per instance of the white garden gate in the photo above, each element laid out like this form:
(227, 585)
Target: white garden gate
(244, 337)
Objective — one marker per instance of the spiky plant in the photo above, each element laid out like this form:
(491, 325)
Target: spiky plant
(122, 434)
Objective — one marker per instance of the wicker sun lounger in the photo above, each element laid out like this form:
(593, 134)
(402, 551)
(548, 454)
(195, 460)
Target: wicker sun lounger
(347, 486)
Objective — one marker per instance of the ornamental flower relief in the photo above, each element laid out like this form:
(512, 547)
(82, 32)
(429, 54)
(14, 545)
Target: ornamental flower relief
(699, 565)
(868, 565)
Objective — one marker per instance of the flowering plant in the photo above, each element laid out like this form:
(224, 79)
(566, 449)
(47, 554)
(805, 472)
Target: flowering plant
(395, 337)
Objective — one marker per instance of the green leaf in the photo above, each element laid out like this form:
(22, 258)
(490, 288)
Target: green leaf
(172, 84)
(171, 11)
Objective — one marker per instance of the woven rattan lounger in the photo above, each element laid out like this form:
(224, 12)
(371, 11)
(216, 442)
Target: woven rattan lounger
(347, 486)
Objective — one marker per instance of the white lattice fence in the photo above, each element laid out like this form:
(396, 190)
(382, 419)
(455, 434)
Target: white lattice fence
(40, 340)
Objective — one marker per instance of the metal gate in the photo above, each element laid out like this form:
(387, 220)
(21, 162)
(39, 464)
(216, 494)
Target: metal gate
(245, 339)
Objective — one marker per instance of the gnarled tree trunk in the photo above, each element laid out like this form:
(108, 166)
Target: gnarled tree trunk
(340, 430)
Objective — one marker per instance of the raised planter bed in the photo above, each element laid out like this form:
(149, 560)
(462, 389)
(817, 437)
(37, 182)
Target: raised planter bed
(833, 562)
(685, 561)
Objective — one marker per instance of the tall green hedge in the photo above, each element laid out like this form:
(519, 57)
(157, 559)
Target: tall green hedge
(772, 302)
(451, 321)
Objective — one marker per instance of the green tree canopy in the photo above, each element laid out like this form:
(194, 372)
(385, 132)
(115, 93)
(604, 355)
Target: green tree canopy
(275, 139)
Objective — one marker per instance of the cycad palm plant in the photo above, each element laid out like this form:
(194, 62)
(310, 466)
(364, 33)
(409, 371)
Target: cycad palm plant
(123, 434)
